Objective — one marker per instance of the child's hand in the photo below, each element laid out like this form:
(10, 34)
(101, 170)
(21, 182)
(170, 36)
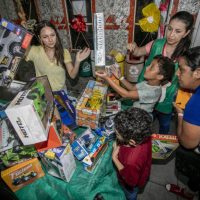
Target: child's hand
(131, 47)
(116, 72)
(115, 151)
(101, 74)
(82, 55)
(178, 109)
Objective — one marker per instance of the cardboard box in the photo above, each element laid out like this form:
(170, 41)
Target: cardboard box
(17, 154)
(182, 98)
(30, 112)
(22, 174)
(14, 40)
(59, 162)
(82, 145)
(8, 135)
(91, 103)
(54, 136)
(99, 40)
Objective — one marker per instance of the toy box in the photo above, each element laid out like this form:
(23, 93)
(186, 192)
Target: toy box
(14, 40)
(22, 174)
(8, 135)
(54, 136)
(30, 112)
(90, 105)
(182, 98)
(66, 109)
(83, 144)
(17, 154)
(99, 40)
(59, 162)
(96, 158)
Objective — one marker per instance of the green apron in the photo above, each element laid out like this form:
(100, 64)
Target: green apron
(165, 106)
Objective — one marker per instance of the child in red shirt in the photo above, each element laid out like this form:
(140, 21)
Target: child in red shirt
(132, 153)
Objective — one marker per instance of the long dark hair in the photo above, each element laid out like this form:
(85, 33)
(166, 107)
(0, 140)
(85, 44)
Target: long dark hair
(185, 42)
(59, 52)
(192, 57)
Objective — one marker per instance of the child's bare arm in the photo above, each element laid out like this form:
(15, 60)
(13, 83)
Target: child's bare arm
(121, 91)
(115, 159)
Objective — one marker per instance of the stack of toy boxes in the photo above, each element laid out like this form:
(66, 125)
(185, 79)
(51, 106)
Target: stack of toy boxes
(90, 105)
(12, 151)
(14, 40)
(30, 112)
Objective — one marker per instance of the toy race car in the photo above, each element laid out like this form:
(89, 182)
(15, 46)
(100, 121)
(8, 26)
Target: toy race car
(24, 177)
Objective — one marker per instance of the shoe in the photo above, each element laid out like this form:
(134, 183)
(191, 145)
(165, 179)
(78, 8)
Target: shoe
(179, 191)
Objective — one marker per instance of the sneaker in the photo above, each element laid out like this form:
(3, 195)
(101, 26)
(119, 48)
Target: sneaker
(179, 191)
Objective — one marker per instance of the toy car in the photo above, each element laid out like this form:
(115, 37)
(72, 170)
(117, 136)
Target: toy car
(24, 177)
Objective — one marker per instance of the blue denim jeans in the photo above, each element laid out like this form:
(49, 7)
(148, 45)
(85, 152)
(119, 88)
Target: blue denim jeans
(164, 121)
(131, 194)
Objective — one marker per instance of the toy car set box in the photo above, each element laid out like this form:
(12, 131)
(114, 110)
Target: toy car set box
(14, 40)
(90, 104)
(30, 112)
(59, 162)
(22, 174)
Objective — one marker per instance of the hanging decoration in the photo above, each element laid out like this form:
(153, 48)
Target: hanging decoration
(151, 21)
(78, 24)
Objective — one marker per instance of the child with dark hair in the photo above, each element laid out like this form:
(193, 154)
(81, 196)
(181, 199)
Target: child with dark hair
(132, 153)
(147, 93)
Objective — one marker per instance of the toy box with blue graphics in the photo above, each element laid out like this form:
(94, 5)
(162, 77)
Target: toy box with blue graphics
(66, 109)
(30, 112)
(14, 40)
(22, 174)
(59, 162)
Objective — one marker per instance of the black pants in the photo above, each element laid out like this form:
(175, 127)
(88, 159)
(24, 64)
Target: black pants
(188, 163)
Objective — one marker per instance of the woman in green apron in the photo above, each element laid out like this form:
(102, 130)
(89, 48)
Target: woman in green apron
(177, 41)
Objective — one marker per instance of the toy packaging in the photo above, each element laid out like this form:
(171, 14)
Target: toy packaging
(66, 109)
(8, 135)
(91, 103)
(14, 40)
(182, 98)
(96, 158)
(99, 40)
(17, 154)
(22, 174)
(59, 162)
(163, 145)
(83, 144)
(30, 112)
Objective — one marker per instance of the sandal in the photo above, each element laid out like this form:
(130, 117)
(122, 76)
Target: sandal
(179, 191)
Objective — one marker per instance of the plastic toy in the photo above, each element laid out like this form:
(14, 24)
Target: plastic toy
(37, 94)
(23, 178)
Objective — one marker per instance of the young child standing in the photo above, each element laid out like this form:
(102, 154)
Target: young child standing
(147, 93)
(132, 152)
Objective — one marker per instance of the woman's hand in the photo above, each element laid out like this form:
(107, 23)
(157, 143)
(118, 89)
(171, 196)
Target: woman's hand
(115, 151)
(82, 55)
(178, 109)
(116, 71)
(101, 74)
(132, 46)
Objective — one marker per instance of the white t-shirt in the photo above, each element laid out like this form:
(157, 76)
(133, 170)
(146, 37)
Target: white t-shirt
(148, 96)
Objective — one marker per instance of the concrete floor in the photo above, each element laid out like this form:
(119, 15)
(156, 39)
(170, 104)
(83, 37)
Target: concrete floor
(162, 174)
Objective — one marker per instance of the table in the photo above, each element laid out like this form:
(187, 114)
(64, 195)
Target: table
(82, 186)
